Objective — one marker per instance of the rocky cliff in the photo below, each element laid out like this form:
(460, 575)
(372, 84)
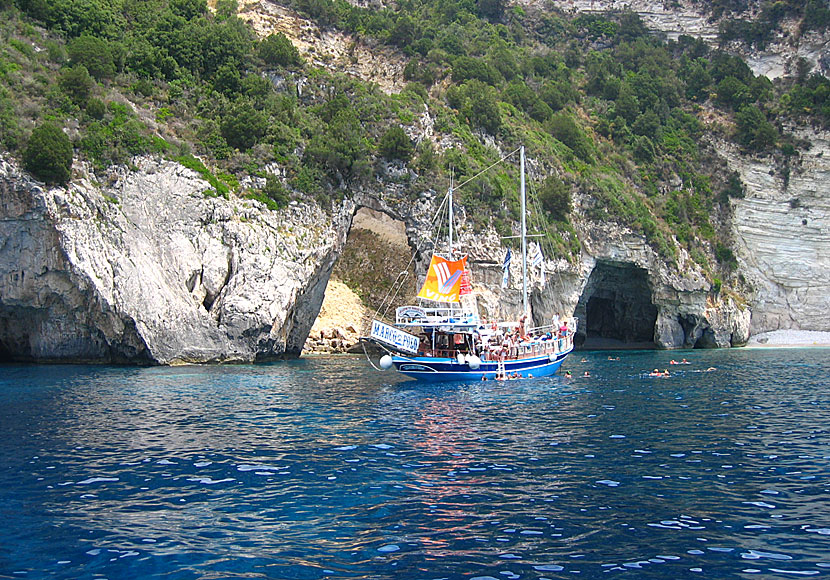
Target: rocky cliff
(147, 268)
(781, 230)
(619, 289)
(141, 265)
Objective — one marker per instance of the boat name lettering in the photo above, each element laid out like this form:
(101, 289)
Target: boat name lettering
(395, 337)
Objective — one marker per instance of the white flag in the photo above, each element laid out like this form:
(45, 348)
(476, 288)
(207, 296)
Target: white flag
(536, 257)
(505, 280)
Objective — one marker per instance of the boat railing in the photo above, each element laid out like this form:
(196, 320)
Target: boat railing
(535, 347)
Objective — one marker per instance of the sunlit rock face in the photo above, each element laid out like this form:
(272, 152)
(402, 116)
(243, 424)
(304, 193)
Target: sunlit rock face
(781, 229)
(682, 17)
(150, 269)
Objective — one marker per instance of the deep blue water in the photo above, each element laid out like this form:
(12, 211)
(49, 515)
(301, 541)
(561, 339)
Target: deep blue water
(324, 468)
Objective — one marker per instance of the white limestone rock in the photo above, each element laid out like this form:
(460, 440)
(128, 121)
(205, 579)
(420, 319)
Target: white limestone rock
(781, 230)
(149, 269)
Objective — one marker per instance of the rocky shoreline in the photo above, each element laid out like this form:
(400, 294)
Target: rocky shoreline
(789, 338)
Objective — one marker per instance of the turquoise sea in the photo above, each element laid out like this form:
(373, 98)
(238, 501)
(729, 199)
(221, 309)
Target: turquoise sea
(324, 468)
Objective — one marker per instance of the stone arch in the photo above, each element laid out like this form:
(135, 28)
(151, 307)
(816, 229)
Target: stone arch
(375, 250)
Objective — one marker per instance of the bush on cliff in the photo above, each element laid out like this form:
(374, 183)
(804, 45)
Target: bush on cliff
(395, 144)
(277, 50)
(48, 154)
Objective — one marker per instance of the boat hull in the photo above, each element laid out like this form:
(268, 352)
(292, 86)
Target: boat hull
(449, 369)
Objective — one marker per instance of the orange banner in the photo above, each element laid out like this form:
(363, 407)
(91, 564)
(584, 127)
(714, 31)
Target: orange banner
(444, 280)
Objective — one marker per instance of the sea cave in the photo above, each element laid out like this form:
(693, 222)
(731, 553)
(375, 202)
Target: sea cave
(616, 308)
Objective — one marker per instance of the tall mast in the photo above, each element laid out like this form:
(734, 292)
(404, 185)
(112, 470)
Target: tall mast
(450, 202)
(524, 229)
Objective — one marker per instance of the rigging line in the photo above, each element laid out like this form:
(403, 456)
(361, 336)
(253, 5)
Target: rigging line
(397, 285)
(399, 280)
(483, 171)
(548, 244)
(434, 226)
(368, 358)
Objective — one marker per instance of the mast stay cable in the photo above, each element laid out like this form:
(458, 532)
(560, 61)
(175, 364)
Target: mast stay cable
(397, 285)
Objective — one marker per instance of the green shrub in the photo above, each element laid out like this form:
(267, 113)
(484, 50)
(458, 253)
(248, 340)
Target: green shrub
(277, 50)
(9, 125)
(227, 80)
(276, 192)
(193, 163)
(466, 68)
(725, 255)
(754, 131)
(555, 197)
(734, 188)
(493, 10)
(144, 87)
(48, 154)
(308, 179)
(243, 126)
(188, 9)
(263, 199)
(93, 53)
(340, 151)
(23, 48)
(77, 84)
(643, 149)
(395, 144)
(816, 15)
(96, 108)
(478, 103)
(427, 159)
(563, 127)
(733, 93)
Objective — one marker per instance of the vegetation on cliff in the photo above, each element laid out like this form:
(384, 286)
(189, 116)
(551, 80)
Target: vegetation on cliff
(615, 119)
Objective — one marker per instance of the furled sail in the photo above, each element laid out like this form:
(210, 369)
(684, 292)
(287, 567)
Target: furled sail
(446, 280)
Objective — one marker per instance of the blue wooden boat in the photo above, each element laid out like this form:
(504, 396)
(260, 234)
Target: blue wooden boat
(444, 338)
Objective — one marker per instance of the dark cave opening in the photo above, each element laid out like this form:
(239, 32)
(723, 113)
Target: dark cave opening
(616, 308)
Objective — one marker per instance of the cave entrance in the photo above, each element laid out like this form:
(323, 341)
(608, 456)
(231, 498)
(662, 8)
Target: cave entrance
(616, 309)
(375, 254)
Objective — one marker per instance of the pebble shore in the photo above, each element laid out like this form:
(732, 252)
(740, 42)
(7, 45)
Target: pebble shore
(779, 338)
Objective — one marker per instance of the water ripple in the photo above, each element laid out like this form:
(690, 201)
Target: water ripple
(321, 469)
